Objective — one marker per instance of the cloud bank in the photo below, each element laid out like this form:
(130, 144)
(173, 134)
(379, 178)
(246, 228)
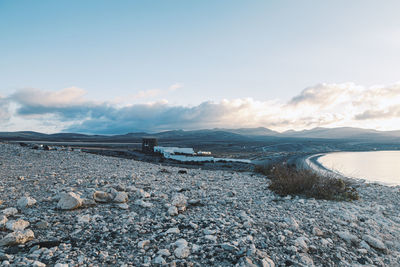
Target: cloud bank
(322, 105)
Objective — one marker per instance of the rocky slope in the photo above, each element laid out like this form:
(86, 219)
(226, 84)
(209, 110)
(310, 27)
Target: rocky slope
(68, 208)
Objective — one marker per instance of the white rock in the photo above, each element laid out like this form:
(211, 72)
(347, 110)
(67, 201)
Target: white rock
(181, 242)
(348, 237)
(102, 197)
(123, 206)
(17, 225)
(173, 230)
(38, 264)
(267, 262)
(208, 232)
(179, 200)
(61, 265)
(292, 223)
(374, 242)
(3, 220)
(84, 218)
(159, 260)
(121, 197)
(144, 243)
(172, 211)
(69, 201)
(301, 242)
(18, 237)
(316, 231)
(143, 204)
(306, 260)
(164, 252)
(25, 202)
(10, 211)
(365, 245)
(182, 252)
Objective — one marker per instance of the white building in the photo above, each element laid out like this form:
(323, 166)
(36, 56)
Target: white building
(187, 154)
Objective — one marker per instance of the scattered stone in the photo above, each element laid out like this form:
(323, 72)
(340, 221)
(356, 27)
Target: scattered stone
(102, 197)
(229, 247)
(143, 204)
(121, 197)
(123, 206)
(38, 264)
(42, 225)
(374, 242)
(17, 225)
(69, 201)
(144, 243)
(173, 230)
(84, 218)
(347, 236)
(182, 252)
(18, 237)
(3, 220)
(172, 211)
(164, 252)
(179, 200)
(25, 202)
(10, 211)
(159, 260)
(233, 218)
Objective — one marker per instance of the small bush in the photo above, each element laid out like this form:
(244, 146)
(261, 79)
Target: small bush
(289, 180)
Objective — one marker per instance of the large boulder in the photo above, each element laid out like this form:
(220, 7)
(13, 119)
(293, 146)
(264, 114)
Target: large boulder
(18, 237)
(69, 201)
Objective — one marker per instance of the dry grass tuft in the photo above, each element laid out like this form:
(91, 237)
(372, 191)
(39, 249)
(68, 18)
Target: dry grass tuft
(289, 180)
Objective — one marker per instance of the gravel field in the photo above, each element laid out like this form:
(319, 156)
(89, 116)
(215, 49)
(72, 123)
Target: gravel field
(69, 208)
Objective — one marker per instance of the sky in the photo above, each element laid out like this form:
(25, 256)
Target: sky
(123, 66)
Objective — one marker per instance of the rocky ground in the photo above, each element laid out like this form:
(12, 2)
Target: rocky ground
(69, 208)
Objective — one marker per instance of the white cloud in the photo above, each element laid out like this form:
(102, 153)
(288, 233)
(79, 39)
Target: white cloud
(35, 97)
(175, 87)
(328, 105)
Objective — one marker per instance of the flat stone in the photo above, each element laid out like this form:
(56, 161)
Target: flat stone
(121, 197)
(17, 225)
(18, 237)
(10, 211)
(102, 197)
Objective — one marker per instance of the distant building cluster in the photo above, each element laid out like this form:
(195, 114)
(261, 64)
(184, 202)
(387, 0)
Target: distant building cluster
(183, 154)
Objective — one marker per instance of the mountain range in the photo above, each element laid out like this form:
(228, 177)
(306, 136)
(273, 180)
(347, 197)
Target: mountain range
(217, 134)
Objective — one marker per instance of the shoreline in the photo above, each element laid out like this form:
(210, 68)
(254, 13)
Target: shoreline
(311, 162)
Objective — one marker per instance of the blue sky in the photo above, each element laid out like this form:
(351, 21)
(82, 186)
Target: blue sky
(182, 54)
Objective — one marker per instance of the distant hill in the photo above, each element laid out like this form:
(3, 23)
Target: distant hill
(241, 134)
(343, 133)
(260, 131)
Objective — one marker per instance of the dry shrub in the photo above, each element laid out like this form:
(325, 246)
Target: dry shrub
(289, 180)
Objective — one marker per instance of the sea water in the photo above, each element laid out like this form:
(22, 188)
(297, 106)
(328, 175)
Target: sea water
(375, 166)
